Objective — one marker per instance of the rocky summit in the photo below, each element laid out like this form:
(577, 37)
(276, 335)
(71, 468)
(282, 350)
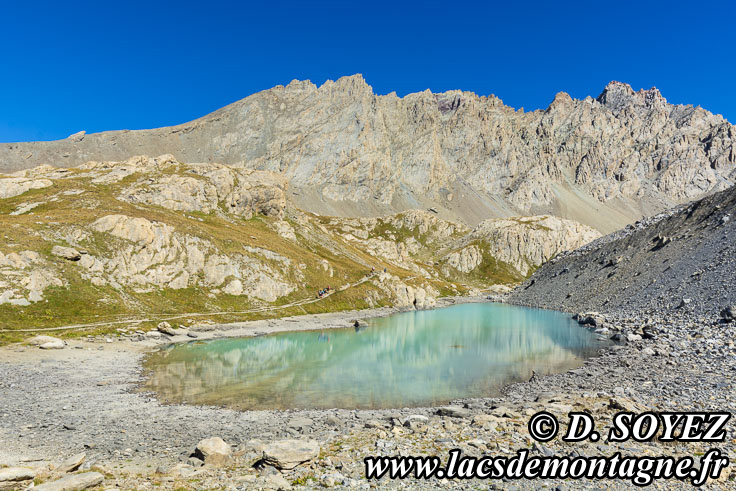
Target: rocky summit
(346, 151)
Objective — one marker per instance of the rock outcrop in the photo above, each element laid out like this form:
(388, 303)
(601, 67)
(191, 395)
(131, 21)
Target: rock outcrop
(524, 243)
(349, 152)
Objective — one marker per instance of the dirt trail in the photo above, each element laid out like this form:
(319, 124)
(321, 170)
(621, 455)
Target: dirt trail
(93, 325)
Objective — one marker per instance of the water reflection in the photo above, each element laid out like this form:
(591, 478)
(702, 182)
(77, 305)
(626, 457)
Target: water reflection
(408, 359)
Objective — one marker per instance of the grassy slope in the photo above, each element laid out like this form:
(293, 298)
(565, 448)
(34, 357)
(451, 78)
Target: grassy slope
(81, 302)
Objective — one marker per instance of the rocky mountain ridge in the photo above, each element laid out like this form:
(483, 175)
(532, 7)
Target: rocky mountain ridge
(346, 151)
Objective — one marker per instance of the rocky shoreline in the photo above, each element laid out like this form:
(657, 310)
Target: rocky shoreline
(85, 399)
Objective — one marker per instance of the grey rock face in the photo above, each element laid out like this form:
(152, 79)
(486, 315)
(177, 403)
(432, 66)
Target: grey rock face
(347, 151)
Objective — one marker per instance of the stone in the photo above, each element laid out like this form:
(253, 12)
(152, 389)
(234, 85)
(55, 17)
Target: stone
(660, 241)
(622, 403)
(68, 253)
(213, 451)
(287, 454)
(504, 412)
(454, 411)
(728, 314)
(12, 476)
(684, 303)
(73, 482)
(39, 340)
(275, 481)
(483, 419)
(183, 470)
(416, 418)
(72, 463)
(374, 423)
(165, 328)
(57, 344)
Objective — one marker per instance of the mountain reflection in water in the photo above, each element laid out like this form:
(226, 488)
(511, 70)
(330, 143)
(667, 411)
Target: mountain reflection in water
(407, 359)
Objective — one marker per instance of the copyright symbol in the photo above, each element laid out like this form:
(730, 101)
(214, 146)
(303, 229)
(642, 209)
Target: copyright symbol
(543, 426)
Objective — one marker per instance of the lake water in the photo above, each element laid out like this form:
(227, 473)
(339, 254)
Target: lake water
(403, 360)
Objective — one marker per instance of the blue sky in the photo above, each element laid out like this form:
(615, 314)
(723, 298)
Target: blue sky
(101, 65)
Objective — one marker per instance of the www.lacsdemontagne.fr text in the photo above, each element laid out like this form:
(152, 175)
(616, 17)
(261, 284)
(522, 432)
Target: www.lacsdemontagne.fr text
(640, 471)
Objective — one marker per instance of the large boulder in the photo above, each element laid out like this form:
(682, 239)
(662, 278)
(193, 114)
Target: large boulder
(287, 454)
(213, 451)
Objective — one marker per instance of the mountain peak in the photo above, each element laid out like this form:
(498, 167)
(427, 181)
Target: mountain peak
(618, 95)
(355, 81)
(561, 99)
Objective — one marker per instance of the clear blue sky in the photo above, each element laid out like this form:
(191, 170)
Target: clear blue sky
(103, 65)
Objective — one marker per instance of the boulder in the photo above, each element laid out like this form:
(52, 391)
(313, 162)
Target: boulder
(454, 411)
(14, 477)
(213, 451)
(728, 314)
(165, 328)
(72, 463)
(287, 454)
(39, 340)
(73, 482)
(57, 344)
(593, 319)
(68, 253)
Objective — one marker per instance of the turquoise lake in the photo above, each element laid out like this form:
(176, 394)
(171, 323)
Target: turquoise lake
(408, 359)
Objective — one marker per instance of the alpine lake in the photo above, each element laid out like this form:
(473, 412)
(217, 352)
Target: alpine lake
(408, 359)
